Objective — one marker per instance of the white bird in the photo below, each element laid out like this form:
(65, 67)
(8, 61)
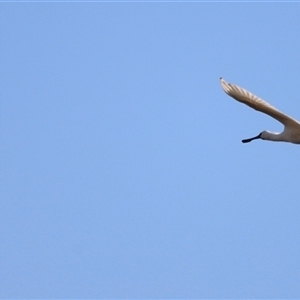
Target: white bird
(291, 132)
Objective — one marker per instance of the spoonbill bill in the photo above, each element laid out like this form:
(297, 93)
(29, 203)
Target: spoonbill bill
(291, 132)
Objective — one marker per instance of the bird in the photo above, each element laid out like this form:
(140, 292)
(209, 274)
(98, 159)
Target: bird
(291, 132)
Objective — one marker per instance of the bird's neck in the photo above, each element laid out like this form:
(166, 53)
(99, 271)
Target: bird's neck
(274, 136)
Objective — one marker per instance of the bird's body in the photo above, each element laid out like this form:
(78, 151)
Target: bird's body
(291, 132)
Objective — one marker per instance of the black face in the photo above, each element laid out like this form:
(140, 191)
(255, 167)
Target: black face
(251, 139)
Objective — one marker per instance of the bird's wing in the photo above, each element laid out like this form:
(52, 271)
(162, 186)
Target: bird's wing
(257, 103)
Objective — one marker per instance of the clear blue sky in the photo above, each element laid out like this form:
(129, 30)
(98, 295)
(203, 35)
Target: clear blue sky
(123, 174)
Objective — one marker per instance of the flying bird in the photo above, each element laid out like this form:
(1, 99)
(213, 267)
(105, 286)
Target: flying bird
(291, 132)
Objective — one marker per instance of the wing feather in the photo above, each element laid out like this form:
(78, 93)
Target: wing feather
(256, 103)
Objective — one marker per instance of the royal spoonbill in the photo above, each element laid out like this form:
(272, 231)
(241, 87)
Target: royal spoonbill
(291, 132)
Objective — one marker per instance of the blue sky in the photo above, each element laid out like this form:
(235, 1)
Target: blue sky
(123, 174)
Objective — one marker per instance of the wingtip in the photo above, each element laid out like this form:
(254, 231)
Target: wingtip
(222, 81)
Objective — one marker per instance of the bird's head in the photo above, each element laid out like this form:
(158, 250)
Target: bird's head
(265, 135)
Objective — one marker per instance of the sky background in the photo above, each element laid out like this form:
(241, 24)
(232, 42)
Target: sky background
(123, 174)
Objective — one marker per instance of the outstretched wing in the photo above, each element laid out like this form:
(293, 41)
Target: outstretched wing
(257, 103)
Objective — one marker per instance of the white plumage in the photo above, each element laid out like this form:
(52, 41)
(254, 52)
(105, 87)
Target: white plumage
(291, 132)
